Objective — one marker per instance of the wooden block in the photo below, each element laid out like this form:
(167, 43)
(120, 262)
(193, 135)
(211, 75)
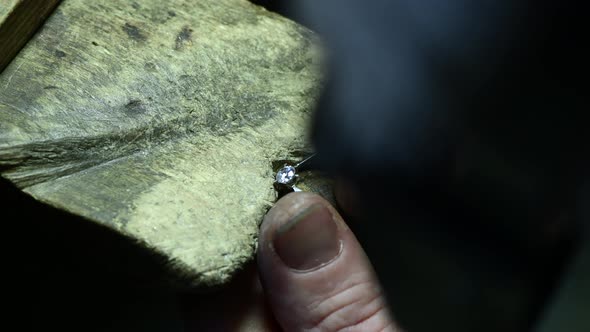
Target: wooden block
(161, 121)
(19, 19)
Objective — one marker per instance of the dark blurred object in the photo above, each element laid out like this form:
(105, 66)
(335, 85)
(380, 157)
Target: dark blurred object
(461, 125)
(64, 273)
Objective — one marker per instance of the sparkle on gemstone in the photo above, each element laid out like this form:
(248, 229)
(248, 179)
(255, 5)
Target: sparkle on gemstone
(286, 175)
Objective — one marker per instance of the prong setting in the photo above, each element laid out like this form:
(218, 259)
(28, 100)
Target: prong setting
(287, 176)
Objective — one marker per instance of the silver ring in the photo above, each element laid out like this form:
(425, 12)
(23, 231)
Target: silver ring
(287, 176)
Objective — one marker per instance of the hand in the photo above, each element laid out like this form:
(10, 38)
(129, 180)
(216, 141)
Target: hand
(312, 275)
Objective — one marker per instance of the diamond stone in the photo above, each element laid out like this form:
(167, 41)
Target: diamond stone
(286, 175)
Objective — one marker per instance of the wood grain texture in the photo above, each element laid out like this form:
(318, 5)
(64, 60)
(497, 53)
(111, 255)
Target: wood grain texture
(161, 120)
(19, 19)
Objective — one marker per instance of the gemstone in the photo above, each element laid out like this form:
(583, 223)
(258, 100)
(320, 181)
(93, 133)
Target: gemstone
(286, 175)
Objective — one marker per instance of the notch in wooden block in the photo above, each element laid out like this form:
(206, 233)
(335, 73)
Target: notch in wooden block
(19, 19)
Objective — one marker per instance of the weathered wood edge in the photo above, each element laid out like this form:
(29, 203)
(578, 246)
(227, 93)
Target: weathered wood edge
(19, 25)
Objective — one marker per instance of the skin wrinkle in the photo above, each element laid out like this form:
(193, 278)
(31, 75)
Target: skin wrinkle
(381, 310)
(314, 306)
(360, 298)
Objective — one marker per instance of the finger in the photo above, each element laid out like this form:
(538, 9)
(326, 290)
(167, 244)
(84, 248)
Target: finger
(315, 274)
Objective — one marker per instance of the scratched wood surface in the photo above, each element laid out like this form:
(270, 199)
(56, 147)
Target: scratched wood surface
(19, 19)
(161, 120)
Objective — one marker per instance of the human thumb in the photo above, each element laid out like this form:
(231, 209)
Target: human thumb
(314, 272)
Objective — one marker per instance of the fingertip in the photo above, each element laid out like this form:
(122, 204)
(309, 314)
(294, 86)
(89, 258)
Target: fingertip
(301, 232)
(312, 268)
